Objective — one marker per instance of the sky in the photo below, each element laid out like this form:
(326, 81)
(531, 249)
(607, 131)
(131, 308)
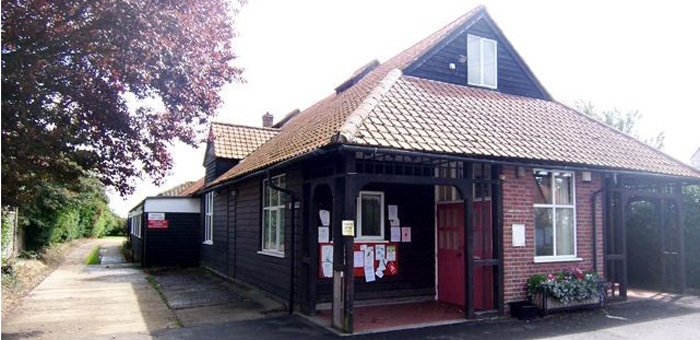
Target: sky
(629, 55)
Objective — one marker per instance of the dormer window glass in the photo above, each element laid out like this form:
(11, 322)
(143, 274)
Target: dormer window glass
(482, 67)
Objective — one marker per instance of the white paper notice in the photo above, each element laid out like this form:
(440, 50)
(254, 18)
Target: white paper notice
(327, 260)
(393, 212)
(325, 216)
(395, 223)
(369, 264)
(395, 234)
(406, 234)
(379, 273)
(391, 253)
(359, 259)
(324, 235)
(381, 252)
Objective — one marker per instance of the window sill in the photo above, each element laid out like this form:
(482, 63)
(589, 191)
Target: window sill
(271, 253)
(550, 259)
(361, 240)
(494, 87)
(209, 243)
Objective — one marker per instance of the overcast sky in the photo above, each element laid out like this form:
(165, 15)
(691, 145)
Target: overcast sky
(636, 55)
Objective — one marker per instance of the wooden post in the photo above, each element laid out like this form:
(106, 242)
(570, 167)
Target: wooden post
(338, 250)
(681, 238)
(497, 225)
(662, 239)
(468, 194)
(349, 280)
(623, 233)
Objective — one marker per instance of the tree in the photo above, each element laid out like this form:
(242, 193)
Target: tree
(69, 69)
(626, 122)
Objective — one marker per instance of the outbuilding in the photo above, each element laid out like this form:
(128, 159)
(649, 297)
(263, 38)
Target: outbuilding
(165, 230)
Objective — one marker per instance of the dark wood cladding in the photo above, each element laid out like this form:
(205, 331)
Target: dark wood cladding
(215, 167)
(214, 255)
(416, 276)
(237, 236)
(512, 77)
(175, 246)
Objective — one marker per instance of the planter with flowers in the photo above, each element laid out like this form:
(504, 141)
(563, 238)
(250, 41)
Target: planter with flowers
(569, 289)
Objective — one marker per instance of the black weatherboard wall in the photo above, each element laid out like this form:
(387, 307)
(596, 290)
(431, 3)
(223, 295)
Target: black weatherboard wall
(513, 75)
(235, 251)
(176, 245)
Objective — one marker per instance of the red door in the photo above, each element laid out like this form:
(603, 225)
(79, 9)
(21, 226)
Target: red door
(450, 239)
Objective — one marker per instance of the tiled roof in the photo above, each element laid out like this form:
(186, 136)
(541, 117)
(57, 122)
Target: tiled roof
(176, 190)
(238, 141)
(430, 116)
(194, 187)
(388, 109)
(316, 126)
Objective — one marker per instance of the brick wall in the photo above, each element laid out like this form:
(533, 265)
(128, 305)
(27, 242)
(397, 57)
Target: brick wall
(518, 200)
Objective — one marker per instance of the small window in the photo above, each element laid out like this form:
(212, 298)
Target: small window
(370, 216)
(555, 214)
(135, 225)
(209, 218)
(273, 219)
(482, 65)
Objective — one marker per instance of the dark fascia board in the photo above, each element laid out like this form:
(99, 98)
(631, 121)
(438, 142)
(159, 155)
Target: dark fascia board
(457, 32)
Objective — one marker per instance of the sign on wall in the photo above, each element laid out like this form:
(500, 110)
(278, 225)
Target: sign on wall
(157, 221)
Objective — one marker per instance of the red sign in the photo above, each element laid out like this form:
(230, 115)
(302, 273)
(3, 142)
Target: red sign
(158, 224)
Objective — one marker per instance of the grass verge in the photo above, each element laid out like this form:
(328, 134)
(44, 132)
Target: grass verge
(156, 286)
(93, 257)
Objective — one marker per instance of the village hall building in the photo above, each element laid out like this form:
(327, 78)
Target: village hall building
(445, 175)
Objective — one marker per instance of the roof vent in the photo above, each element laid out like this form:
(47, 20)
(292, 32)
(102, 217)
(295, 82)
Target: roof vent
(267, 119)
(357, 75)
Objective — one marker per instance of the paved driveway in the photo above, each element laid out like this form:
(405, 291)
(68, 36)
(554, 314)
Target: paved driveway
(87, 302)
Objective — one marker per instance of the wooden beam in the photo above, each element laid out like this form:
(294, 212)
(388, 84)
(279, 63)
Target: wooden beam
(468, 195)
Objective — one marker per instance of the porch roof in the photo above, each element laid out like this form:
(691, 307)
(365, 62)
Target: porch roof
(388, 109)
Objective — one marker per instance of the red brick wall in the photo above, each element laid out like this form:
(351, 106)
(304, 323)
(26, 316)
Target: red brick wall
(518, 200)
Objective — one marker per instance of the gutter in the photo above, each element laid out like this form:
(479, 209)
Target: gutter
(292, 273)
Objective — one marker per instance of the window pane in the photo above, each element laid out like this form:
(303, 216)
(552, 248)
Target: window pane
(281, 227)
(371, 215)
(565, 231)
(266, 229)
(563, 184)
(473, 59)
(273, 229)
(282, 197)
(544, 237)
(543, 187)
(489, 62)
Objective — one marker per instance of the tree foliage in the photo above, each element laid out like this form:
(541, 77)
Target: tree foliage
(76, 75)
(627, 122)
(60, 213)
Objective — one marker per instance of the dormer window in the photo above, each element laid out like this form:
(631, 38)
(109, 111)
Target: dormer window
(481, 61)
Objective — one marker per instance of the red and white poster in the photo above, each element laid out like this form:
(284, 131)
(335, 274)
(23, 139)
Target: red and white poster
(157, 221)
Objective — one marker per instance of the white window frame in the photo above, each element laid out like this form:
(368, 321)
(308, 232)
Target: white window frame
(553, 206)
(281, 209)
(209, 218)
(481, 61)
(361, 237)
(136, 225)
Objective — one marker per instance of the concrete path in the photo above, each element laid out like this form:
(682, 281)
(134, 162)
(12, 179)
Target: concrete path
(199, 297)
(88, 302)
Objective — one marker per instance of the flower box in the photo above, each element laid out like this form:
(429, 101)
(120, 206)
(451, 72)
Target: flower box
(570, 289)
